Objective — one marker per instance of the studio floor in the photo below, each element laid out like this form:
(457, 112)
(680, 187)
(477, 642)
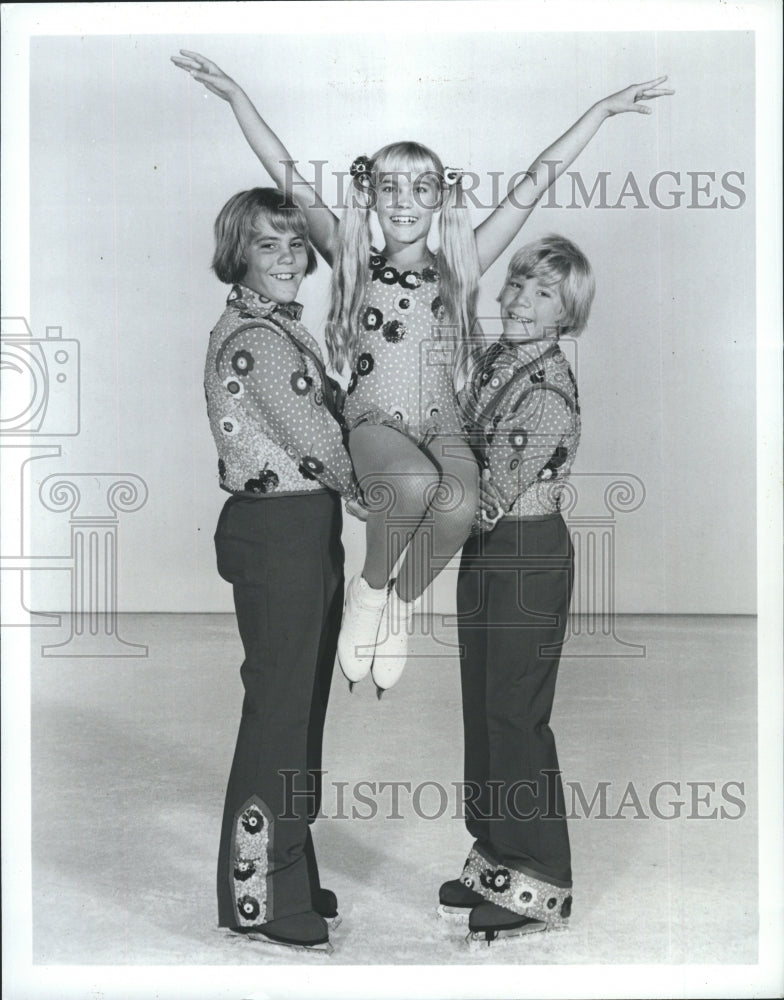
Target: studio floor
(130, 758)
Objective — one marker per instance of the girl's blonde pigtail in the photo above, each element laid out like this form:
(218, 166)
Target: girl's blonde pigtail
(459, 274)
(348, 278)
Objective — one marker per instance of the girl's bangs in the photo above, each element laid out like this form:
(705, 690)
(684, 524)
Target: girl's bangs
(407, 158)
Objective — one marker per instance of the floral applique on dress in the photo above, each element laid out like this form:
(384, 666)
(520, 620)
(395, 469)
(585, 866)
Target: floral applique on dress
(402, 376)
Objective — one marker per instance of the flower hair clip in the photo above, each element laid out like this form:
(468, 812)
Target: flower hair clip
(452, 175)
(360, 170)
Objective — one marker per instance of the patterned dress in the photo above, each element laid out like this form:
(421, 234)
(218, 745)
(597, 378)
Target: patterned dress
(402, 376)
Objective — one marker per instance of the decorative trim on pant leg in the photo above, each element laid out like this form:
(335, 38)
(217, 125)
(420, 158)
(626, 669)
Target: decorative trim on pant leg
(518, 891)
(249, 863)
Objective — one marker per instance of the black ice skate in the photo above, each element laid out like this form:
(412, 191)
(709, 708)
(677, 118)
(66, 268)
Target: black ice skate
(325, 903)
(488, 922)
(304, 932)
(456, 901)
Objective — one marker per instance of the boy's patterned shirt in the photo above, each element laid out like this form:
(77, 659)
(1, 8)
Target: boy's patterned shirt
(523, 419)
(271, 407)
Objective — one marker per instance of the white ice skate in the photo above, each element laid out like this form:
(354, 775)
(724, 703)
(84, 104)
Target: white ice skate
(392, 643)
(361, 617)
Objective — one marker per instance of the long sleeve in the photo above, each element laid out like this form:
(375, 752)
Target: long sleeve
(281, 389)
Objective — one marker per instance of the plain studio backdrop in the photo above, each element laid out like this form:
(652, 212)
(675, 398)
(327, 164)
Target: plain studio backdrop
(130, 161)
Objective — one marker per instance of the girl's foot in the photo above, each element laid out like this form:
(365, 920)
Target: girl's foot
(392, 651)
(361, 617)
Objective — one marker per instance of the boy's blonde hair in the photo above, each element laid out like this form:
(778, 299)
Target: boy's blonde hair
(556, 261)
(237, 221)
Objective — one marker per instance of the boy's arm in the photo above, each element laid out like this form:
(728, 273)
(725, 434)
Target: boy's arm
(274, 156)
(498, 230)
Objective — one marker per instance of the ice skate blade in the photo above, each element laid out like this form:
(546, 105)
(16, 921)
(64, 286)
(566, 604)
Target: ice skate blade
(352, 682)
(453, 914)
(484, 939)
(333, 922)
(325, 948)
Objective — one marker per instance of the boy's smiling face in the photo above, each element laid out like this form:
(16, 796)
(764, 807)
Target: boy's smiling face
(530, 309)
(276, 262)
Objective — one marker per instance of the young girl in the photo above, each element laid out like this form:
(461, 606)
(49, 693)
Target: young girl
(282, 459)
(396, 317)
(513, 598)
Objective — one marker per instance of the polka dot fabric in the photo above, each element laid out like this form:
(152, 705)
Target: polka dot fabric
(402, 375)
(528, 440)
(267, 403)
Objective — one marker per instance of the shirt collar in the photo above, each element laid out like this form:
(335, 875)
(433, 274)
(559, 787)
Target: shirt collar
(242, 297)
(544, 349)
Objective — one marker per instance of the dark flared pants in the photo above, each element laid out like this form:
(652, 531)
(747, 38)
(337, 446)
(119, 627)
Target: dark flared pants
(513, 599)
(284, 557)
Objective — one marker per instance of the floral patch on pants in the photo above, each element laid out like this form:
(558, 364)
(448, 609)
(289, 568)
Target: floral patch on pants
(249, 862)
(517, 891)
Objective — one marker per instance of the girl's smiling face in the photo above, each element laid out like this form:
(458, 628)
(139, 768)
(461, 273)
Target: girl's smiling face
(530, 309)
(276, 262)
(405, 205)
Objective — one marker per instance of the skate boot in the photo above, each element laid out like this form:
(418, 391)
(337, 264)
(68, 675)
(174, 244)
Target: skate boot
(323, 901)
(489, 922)
(392, 650)
(456, 900)
(305, 932)
(361, 617)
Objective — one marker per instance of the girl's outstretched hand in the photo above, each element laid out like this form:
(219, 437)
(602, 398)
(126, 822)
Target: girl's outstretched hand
(630, 98)
(206, 72)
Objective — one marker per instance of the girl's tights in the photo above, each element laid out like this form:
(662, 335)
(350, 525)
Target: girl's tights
(425, 498)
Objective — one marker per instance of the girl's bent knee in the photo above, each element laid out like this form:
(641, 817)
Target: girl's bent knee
(400, 492)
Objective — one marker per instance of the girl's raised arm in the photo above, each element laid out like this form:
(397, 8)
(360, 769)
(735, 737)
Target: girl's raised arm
(274, 156)
(498, 230)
